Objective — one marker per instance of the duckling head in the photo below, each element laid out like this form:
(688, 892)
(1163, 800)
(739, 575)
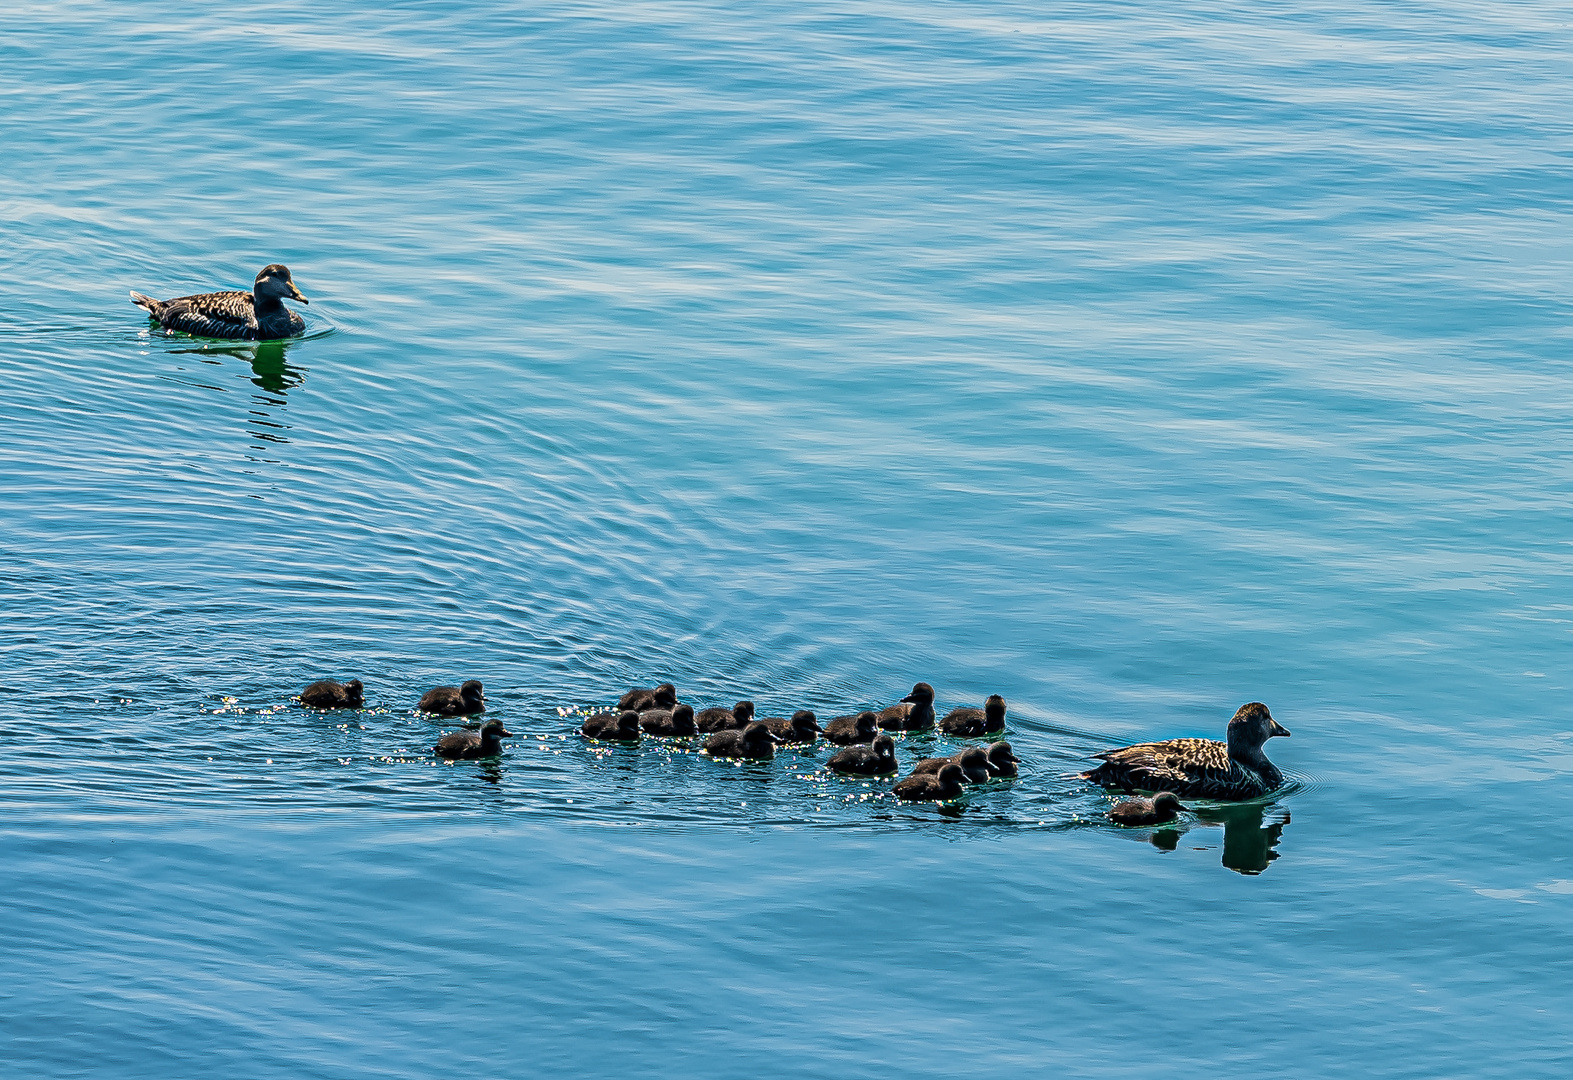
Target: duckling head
(805, 723)
(1167, 799)
(472, 694)
(355, 693)
(922, 694)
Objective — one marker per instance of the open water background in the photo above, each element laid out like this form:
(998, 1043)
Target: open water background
(1130, 361)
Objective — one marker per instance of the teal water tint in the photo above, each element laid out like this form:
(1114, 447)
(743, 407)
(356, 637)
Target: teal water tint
(1131, 364)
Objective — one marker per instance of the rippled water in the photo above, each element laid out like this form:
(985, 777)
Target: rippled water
(1129, 363)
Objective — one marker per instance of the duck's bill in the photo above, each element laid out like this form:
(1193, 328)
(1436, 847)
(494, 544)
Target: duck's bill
(1279, 729)
(505, 734)
(296, 294)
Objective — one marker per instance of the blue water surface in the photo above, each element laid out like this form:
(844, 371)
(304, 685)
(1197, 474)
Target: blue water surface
(1130, 361)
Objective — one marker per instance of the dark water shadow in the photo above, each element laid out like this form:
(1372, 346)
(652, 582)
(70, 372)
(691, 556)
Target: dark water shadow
(1250, 839)
(273, 376)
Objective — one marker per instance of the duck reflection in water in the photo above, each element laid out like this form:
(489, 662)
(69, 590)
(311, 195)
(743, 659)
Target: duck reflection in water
(1250, 839)
(272, 374)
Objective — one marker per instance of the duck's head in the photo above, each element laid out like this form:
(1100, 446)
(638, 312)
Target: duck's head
(868, 723)
(274, 281)
(974, 761)
(994, 709)
(666, 696)
(744, 711)
(951, 775)
(1168, 799)
(683, 719)
(805, 723)
(472, 694)
(1252, 726)
(492, 731)
(922, 694)
(1001, 755)
(354, 692)
(628, 724)
(885, 749)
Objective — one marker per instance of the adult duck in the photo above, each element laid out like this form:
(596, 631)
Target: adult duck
(1199, 768)
(258, 315)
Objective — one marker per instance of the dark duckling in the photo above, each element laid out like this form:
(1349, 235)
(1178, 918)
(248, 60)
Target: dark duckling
(853, 730)
(328, 694)
(641, 700)
(915, 713)
(612, 727)
(802, 727)
(454, 700)
(973, 761)
(968, 723)
(486, 742)
(670, 723)
(258, 315)
(1199, 768)
(878, 759)
(1002, 760)
(736, 718)
(754, 741)
(1162, 807)
(930, 787)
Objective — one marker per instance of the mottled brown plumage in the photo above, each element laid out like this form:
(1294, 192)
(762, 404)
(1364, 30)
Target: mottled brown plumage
(258, 315)
(1199, 768)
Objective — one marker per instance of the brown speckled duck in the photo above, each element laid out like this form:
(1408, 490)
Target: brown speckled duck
(258, 315)
(1199, 768)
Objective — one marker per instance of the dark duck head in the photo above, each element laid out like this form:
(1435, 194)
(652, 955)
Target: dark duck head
(1250, 729)
(1002, 759)
(268, 293)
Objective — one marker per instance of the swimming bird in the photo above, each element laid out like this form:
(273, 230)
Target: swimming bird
(454, 700)
(801, 727)
(878, 759)
(1199, 768)
(612, 726)
(853, 730)
(915, 713)
(671, 723)
(753, 741)
(328, 694)
(736, 718)
(968, 722)
(486, 742)
(930, 787)
(1162, 807)
(641, 700)
(258, 315)
(974, 763)
(1002, 760)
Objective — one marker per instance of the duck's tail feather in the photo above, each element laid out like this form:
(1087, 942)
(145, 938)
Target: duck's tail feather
(147, 303)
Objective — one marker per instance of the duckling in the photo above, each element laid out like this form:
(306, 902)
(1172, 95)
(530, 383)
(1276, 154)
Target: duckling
(612, 727)
(486, 742)
(968, 723)
(641, 700)
(328, 694)
(878, 759)
(671, 723)
(454, 700)
(803, 727)
(974, 763)
(915, 713)
(1002, 760)
(928, 787)
(1162, 807)
(734, 719)
(753, 741)
(1199, 768)
(259, 315)
(853, 730)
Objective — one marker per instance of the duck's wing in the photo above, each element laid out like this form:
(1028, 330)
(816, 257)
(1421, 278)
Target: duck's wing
(229, 315)
(1180, 765)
